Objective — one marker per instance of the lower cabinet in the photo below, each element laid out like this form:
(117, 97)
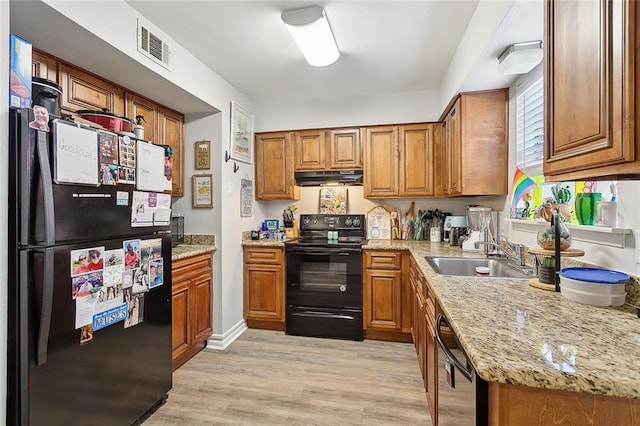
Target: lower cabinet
(191, 297)
(264, 287)
(386, 298)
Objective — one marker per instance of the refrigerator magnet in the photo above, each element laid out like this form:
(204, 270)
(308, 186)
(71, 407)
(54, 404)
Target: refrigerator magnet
(86, 334)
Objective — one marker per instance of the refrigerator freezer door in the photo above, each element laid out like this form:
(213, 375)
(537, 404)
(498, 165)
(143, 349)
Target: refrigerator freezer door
(114, 378)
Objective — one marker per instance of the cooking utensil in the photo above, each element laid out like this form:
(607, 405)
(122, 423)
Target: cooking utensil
(108, 120)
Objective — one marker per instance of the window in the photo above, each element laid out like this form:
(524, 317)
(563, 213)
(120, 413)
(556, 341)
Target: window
(530, 127)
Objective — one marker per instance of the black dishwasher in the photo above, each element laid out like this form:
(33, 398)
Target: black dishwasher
(462, 394)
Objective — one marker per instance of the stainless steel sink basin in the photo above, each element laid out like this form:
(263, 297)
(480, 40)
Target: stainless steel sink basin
(466, 267)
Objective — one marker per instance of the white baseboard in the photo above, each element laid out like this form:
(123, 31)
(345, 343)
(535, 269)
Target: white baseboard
(221, 341)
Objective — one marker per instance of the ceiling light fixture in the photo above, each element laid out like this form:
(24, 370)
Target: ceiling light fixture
(520, 58)
(310, 29)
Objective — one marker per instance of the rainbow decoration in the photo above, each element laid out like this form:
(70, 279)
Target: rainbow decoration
(521, 185)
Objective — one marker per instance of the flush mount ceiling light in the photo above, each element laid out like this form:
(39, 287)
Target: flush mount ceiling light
(310, 29)
(520, 58)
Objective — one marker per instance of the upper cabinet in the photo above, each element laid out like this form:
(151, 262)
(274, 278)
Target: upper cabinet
(43, 66)
(472, 156)
(590, 90)
(327, 149)
(170, 131)
(274, 167)
(398, 160)
(139, 106)
(81, 90)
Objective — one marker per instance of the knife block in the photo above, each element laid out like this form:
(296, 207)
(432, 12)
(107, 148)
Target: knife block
(293, 231)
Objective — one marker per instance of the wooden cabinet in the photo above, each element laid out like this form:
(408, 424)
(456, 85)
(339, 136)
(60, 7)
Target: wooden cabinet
(398, 160)
(170, 131)
(591, 90)
(137, 105)
(44, 66)
(274, 167)
(82, 90)
(264, 287)
(191, 295)
(386, 304)
(327, 149)
(473, 151)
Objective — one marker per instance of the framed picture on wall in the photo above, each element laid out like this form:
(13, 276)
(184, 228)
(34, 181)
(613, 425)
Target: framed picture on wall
(246, 198)
(202, 191)
(202, 155)
(241, 133)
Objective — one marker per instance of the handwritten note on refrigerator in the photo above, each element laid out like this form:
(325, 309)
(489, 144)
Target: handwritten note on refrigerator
(150, 170)
(76, 155)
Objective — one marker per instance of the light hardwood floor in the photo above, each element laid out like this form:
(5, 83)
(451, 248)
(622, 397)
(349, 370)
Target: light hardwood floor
(269, 378)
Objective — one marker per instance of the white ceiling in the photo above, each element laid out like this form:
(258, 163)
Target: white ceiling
(387, 46)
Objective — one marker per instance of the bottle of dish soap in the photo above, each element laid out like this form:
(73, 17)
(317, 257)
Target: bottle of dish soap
(138, 129)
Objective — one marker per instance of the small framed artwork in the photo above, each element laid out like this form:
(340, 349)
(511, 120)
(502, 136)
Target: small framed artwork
(241, 133)
(202, 155)
(246, 198)
(202, 191)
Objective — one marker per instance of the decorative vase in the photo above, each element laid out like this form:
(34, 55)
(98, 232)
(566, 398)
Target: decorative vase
(546, 211)
(586, 207)
(547, 238)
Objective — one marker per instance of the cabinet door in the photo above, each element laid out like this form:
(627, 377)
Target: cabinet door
(181, 324)
(310, 150)
(382, 299)
(431, 369)
(202, 323)
(264, 292)
(137, 105)
(454, 151)
(345, 149)
(589, 84)
(170, 131)
(416, 148)
(81, 90)
(44, 66)
(381, 159)
(274, 167)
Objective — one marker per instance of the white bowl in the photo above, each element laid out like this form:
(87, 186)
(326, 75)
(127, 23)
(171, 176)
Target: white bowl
(591, 298)
(592, 287)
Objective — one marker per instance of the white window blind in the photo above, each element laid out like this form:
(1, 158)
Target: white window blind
(530, 125)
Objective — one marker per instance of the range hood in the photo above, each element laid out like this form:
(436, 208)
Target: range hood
(328, 177)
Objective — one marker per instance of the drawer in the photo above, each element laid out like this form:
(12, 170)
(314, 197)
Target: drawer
(191, 266)
(264, 255)
(383, 259)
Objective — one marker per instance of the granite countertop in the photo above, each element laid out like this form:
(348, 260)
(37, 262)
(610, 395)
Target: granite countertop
(518, 334)
(186, 250)
(263, 243)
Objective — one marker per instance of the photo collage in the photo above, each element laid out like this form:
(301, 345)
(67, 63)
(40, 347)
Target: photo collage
(109, 285)
(117, 155)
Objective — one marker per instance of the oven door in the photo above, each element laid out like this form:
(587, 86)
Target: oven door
(324, 277)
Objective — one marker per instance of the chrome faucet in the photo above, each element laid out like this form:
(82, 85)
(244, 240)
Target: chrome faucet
(518, 255)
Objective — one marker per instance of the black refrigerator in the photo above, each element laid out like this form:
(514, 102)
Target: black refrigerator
(89, 279)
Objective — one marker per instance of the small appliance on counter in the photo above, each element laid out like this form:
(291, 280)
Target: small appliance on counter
(478, 220)
(177, 230)
(453, 222)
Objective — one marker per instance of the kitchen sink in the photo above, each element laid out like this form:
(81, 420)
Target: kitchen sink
(466, 267)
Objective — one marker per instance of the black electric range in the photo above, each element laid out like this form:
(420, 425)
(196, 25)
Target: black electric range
(324, 277)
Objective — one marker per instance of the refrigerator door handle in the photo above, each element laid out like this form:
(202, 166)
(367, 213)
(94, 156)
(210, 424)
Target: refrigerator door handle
(47, 304)
(47, 187)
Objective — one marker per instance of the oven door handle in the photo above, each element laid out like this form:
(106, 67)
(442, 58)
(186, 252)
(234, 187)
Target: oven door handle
(466, 371)
(324, 253)
(317, 314)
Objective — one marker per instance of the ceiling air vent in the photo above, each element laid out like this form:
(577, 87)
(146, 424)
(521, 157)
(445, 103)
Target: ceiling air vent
(153, 46)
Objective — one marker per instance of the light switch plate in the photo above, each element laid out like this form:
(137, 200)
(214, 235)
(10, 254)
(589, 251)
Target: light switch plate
(230, 188)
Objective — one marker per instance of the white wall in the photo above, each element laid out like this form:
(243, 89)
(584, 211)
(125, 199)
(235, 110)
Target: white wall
(4, 154)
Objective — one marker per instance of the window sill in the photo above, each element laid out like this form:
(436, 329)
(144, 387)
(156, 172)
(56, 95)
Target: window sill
(603, 235)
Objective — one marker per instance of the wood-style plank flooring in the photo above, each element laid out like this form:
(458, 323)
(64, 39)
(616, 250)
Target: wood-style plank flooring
(269, 378)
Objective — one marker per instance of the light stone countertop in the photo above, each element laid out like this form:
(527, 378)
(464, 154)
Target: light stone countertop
(517, 334)
(263, 243)
(186, 250)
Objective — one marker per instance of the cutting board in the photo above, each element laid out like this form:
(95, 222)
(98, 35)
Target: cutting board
(378, 224)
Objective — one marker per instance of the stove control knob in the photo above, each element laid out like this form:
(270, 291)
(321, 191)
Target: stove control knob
(356, 222)
(315, 220)
(306, 221)
(343, 288)
(348, 221)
